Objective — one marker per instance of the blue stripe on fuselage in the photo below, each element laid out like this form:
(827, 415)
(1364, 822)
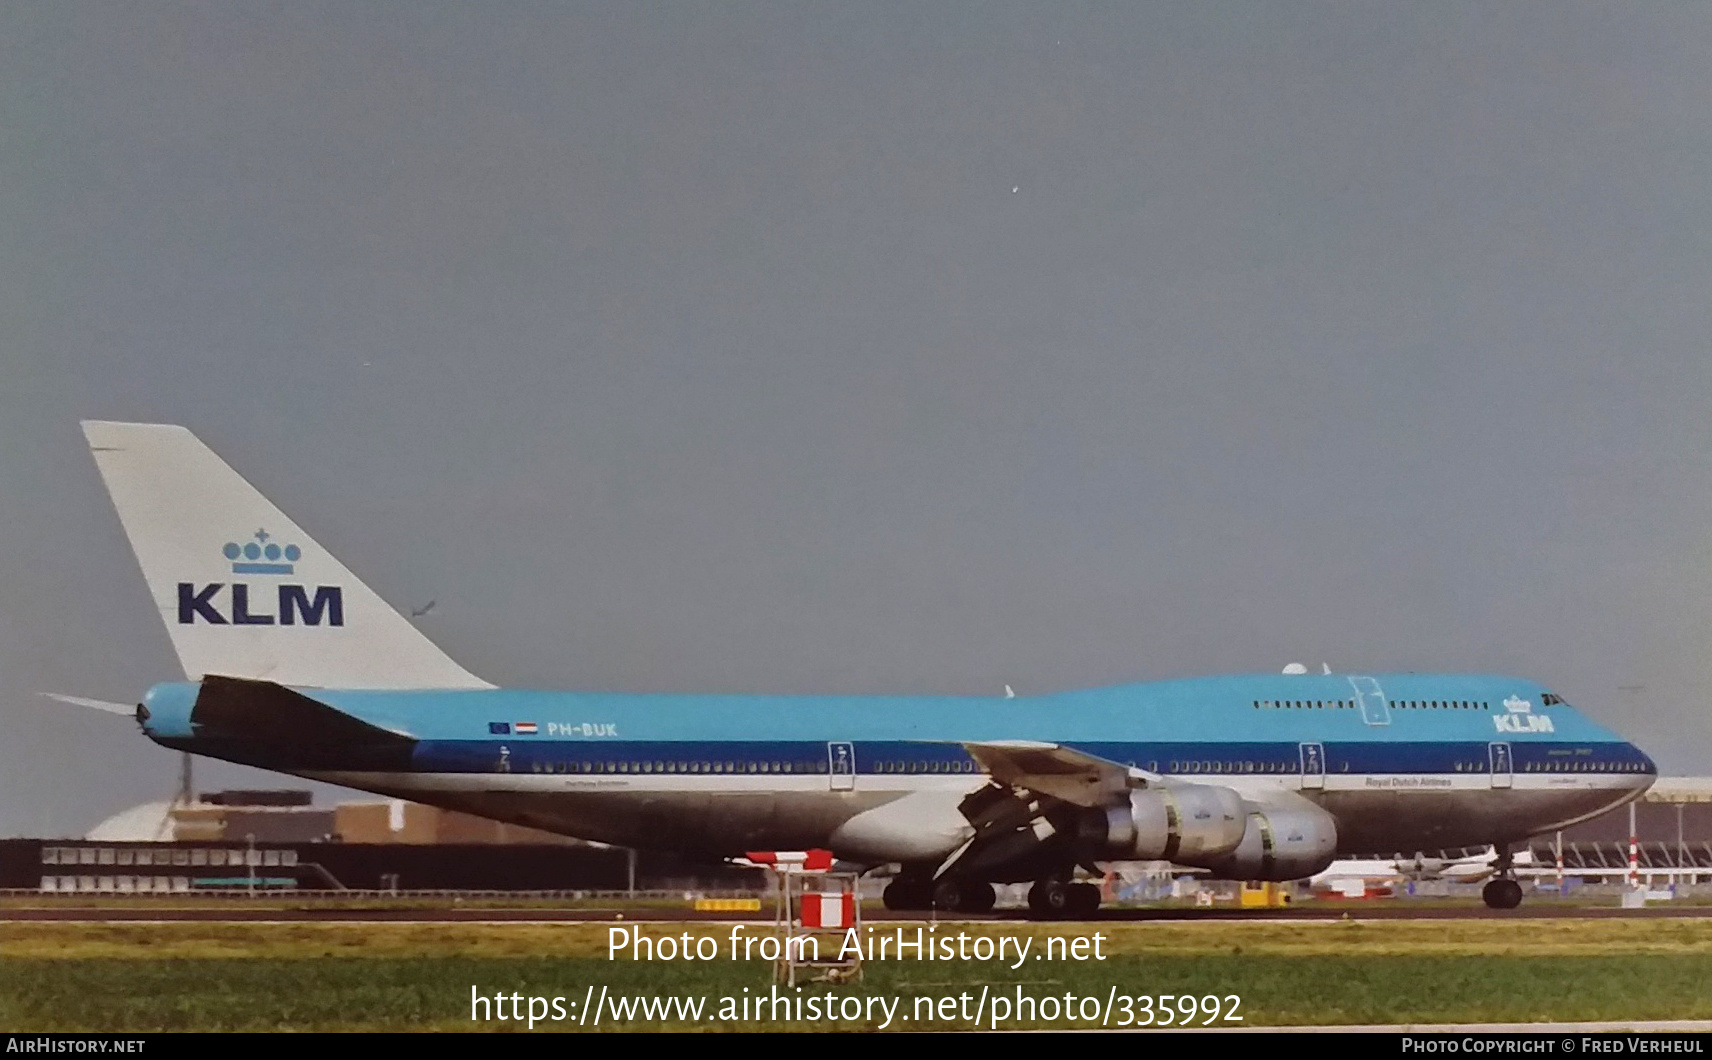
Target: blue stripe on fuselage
(1212, 720)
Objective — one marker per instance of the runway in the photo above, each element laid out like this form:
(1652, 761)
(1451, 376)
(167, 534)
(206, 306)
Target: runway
(239, 912)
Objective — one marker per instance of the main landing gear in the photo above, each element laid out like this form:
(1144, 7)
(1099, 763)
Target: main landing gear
(964, 896)
(1054, 899)
(904, 893)
(1061, 898)
(946, 895)
(1503, 892)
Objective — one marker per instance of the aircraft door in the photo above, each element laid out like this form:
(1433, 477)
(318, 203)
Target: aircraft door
(841, 765)
(1313, 766)
(1503, 772)
(1374, 709)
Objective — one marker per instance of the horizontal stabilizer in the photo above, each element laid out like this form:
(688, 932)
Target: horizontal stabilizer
(127, 709)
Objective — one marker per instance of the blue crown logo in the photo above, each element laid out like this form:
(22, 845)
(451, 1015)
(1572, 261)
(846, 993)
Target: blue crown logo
(261, 556)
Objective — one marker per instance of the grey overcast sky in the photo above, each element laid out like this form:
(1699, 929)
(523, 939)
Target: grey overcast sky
(874, 346)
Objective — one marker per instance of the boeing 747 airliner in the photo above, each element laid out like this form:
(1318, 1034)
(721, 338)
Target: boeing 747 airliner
(294, 665)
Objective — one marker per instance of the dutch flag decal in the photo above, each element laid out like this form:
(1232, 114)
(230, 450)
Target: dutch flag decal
(524, 728)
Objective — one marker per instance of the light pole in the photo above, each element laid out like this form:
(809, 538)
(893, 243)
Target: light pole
(1634, 852)
(1681, 850)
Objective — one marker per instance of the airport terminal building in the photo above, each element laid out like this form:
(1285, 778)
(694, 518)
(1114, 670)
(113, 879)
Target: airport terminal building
(279, 841)
(1672, 832)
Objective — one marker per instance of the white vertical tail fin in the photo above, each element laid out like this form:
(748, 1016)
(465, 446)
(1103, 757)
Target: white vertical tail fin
(243, 590)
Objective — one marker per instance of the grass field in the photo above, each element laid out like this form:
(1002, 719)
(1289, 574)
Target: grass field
(332, 976)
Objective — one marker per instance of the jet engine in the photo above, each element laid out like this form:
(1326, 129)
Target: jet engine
(1279, 843)
(1187, 823)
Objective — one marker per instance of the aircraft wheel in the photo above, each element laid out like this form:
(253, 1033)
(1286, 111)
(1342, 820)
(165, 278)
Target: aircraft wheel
(1050, 898)
(905, 895)
(964, 896)
(1502, 894)
(1084, 899)
(948, 896)
(979, 897)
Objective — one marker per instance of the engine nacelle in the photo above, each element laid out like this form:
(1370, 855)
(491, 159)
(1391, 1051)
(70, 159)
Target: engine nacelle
(1188, 823)
(1280, 843)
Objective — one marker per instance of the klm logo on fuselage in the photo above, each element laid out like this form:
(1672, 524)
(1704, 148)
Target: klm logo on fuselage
(249, 605)
(1519, 717)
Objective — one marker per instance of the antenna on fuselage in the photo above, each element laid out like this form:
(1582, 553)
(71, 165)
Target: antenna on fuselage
(1009, 694)
(1326, 668)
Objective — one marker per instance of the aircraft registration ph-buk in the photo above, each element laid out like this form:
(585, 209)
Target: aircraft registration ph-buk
(294, 665)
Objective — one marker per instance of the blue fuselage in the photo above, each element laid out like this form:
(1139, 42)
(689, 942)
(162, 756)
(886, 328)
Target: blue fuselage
(1404, 762)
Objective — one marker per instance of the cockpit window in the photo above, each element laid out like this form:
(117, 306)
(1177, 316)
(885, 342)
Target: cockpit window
(1549, 699)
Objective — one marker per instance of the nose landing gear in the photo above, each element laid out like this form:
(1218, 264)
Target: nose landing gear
(1503, 892)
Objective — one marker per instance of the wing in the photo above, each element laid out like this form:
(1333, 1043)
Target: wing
(1055, 770)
